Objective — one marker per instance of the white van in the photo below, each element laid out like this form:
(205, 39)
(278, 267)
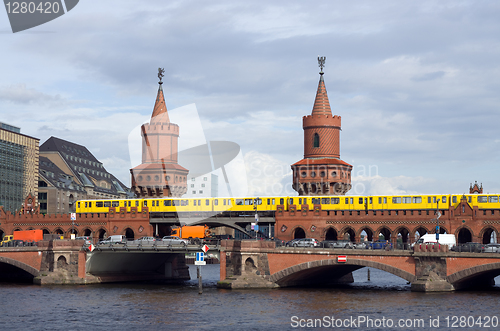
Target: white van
(115, 239)
(444, 239)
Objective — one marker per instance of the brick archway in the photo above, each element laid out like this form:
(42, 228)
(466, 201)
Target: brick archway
(32, 271)
(282, 275)
(473, 272)
(369, 232)
(486, 233)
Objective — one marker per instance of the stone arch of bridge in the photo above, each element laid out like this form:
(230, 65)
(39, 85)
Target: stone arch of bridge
(464, 234)
(330, 233)
(485, 234)
(302, 271)
(101, 233)
(480, 274)
(385, 231)
(369, 233)
(404, 232)
(347, 233)
(18, 264)
(421, 230)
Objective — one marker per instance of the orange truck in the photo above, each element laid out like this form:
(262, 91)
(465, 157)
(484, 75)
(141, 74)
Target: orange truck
(25, 236)
(195, 233)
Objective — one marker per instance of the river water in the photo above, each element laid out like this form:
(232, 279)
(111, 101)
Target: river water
(383, 303)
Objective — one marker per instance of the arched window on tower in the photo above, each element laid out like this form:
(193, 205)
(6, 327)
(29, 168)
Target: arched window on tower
(316, 140)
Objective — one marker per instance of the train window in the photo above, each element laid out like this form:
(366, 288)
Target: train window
(417, 199)
(78, 205)
(129, 203)
(371, 200)
(85, 205)
(229, 202)
(268, 202)
(346, 201)
(379, 201)
(194, 204)
(185, 202)
(207, 202)
(325, 201)
(99, 204)
(300, 201)
(176, 202)
(406, 199)
(199, 202)
(335, 201)
(470, 199)
(216, 202)
(493, 198)
(305, 201)
(145, 203)
(315, 201)
(428, 199)
(385, 200)
(396, 200)
(282, 201)
(248, 202)
(107, 203)
(434, 200)
(272, 201)
(360, 201)
(167, 203)
(454, 199)
(239, 202)
(259, 201)
(443, 199)
(351, 201)
(90, 204)
(224, 201)
(290, 201)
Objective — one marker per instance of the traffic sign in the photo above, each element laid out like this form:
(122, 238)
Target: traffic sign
(200, 259)
(342, 258)
(205, 248)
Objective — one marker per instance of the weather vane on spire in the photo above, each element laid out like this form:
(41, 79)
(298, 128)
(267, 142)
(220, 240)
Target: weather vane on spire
(160, 74)
(321, 63)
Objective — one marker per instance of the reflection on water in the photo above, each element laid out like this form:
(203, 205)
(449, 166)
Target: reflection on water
(177, 307)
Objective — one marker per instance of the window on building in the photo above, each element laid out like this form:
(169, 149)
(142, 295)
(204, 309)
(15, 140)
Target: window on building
(316, 140)
(201, 191)
(205, 179)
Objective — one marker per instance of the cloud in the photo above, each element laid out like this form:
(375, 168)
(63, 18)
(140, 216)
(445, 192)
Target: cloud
(20, 94)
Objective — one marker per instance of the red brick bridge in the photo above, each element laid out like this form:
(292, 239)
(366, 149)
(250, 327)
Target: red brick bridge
(248, 263)
(68, 262)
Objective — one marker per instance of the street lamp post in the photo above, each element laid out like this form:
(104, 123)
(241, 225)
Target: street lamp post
(438, 214)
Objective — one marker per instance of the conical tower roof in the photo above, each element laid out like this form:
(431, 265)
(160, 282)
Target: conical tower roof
(321, 103)
(160, 113)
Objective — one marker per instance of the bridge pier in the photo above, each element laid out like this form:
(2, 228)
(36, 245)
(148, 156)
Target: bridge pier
(430, 272)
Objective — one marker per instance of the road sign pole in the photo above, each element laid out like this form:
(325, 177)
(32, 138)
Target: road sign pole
(200, 283)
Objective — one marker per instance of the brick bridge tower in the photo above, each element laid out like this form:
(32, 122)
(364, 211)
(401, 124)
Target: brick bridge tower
(159, 175)
(321, 171)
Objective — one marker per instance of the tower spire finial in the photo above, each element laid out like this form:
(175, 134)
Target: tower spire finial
(321, 63)
(160, 75)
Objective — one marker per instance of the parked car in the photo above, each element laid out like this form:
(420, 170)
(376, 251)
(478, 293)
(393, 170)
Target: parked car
(492, 248)
(290, 243)
(114, 239)
(305, 242)
(88, 240)
(469, 247)
(144, 239)
(172, 240)
(337, 244)
(360, 245)
(381, 244)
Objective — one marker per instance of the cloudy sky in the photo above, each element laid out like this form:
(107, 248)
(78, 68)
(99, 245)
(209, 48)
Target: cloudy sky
(416, 84)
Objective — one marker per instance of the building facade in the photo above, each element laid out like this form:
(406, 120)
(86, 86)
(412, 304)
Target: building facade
(18, 167)
(69, 172)
(321, 171)
(203, 186)
(159, 174)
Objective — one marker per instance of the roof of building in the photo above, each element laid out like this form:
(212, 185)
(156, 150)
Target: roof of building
(160, 113)
(83, 165)
(321, 103)
(52, 174)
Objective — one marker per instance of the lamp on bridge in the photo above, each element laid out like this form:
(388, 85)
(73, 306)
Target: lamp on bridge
(438, 215)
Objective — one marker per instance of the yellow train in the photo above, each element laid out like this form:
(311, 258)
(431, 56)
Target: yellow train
(263, 204)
